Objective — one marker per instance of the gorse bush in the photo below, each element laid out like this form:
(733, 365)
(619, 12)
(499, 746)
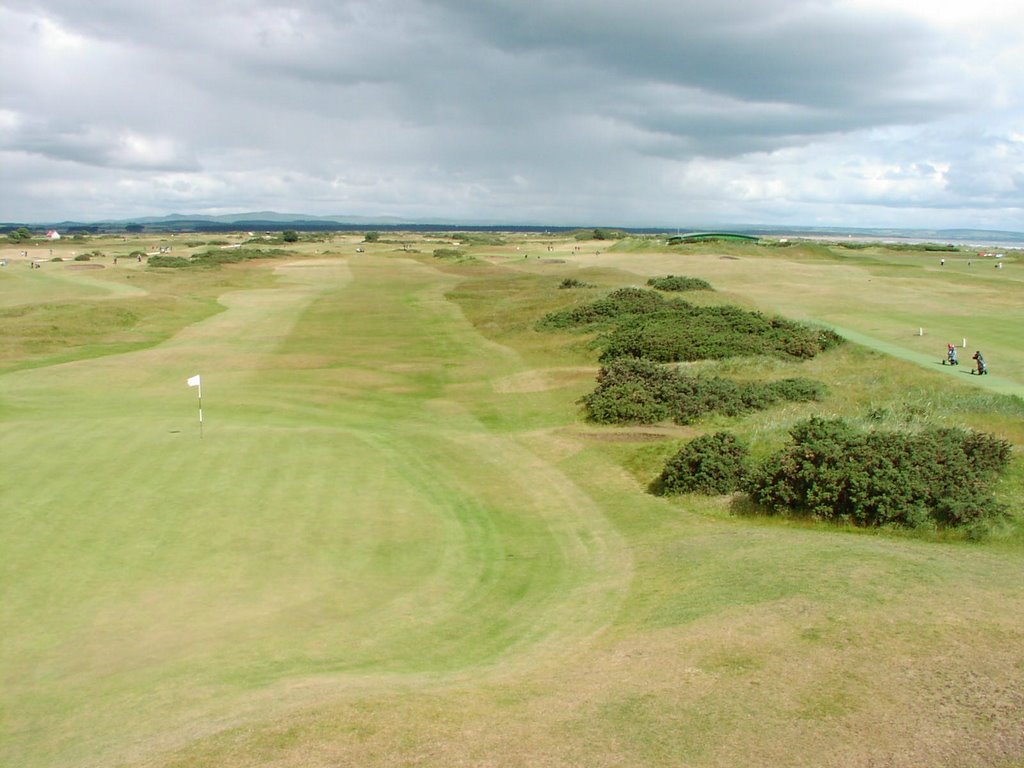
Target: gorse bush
(637, 391)
(477, 238)
(172, 261)
(678, 283)
(686, 333)
(572, 282)
(641, 323)
(448, 253)
(831, 471)
(620, 303)
(710, 464)
(214, 258)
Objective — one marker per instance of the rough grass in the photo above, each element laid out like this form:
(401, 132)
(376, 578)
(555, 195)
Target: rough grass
(885, 296)
(51, 316)
(397, 544)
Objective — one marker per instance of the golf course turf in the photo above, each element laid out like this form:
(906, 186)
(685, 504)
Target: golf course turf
(396, 542)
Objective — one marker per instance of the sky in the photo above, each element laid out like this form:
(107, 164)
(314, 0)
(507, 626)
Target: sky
(665, 113)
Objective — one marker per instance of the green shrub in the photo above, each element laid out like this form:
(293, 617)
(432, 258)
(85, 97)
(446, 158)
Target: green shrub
(216, 257)
(710, 464)
(448, 253)
(682, 332)
(677, 283)
(831, 471)
(638, 391)
(632, 392)
(572, 282)
(83, 257)
(171, 261)
(617, 304)
(477, 238)
(640, 322)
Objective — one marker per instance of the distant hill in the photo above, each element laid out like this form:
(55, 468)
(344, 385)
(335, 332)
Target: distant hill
(264, 216)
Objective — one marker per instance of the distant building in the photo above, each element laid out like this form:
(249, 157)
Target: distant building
(53, 234)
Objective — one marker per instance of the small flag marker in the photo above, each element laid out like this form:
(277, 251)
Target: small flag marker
(195, 381)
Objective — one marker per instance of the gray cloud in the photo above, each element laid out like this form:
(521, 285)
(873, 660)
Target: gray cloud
(94, 145)
(562, 112)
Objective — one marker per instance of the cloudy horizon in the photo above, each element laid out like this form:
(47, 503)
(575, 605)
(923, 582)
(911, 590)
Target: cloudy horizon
(856, 113)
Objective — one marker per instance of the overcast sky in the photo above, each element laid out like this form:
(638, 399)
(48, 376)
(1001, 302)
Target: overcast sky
(905, 113)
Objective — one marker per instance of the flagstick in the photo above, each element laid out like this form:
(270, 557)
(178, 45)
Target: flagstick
(196, 381)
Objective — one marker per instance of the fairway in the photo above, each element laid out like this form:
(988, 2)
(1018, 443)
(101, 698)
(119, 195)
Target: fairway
(395, 543)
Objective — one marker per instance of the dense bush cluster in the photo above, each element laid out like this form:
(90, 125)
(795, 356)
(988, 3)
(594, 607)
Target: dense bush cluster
(572, 282)
(937, 477)
(448, 253)
(832, 471)
(620, 303)
(642, 323)
(477, 238)
(679, 283)
(635, 391)
(213, 258)
(171, 261)
(686, 333)
(710, 464)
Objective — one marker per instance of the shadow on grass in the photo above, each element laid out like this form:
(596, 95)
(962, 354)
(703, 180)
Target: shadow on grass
(742, 505)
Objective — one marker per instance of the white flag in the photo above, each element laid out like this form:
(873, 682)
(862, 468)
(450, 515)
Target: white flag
(194, 381)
